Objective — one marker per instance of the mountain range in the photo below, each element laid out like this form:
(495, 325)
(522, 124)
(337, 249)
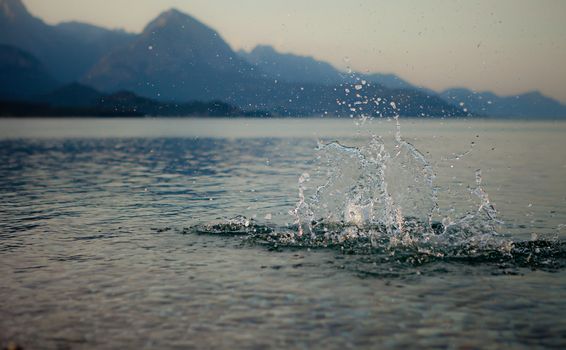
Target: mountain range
(22, 75)
(177, 59)
(68, 50)
(76, 100)
(301, 69)
(502, 107)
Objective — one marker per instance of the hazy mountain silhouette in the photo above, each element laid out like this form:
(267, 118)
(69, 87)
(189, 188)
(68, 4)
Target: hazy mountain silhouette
(304, 69)
(76, 100)
(291, 68)
(176, 57)
(528, 105)
(67, 51)
(392, 81)
(312, 73)
(22, 75)
(125, 102)
(71, 95)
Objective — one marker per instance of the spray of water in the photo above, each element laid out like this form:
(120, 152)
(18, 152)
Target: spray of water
(381, 192)
(380, 201)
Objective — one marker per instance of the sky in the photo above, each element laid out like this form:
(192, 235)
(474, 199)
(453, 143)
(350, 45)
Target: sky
(505, 46)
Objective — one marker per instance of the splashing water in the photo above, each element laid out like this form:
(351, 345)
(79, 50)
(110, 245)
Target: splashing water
(380, 192)
(380, 200)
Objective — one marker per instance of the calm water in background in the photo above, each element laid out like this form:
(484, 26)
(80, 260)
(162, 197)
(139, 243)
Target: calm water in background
(92, 254)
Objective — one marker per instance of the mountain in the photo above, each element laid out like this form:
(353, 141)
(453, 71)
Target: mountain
(125, 102)
(528, 105)
(390, 80)
(13, 10)
(304, 69)
(22, 75)
(178, 58)
(93, 35)
(90, 43)
(291, 68)
(65, 50)
(71, 95)
(312, 87)
(76, 100)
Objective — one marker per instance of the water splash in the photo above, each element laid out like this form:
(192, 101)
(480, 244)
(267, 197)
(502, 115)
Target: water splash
(302, 209)
(371, 185)
(385, 193)
(379, 200)
(373, 252)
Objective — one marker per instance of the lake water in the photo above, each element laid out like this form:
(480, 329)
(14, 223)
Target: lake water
(150, 233)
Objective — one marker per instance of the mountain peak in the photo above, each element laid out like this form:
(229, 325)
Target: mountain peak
(533, 94)
(172, 12)
(172, 18)
(176, 33)
(172, 15)
(13, 9)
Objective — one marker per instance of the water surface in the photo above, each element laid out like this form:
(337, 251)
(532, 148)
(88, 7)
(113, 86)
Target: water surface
(97, 251)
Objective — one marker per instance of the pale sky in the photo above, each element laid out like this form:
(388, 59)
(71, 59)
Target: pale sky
(506, 46)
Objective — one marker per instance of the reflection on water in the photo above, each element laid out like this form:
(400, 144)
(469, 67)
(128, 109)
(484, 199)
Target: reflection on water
(93, 253)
